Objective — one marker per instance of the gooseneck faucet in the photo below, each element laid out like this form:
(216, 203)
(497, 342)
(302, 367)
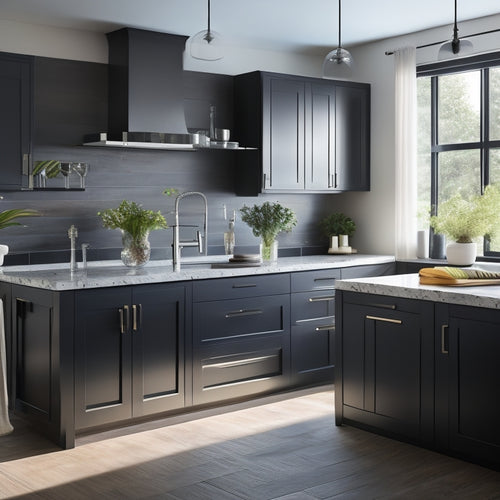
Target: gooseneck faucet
(200, 241)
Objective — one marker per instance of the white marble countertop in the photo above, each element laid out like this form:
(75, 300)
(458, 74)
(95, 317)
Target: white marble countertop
(407, 286)
(102, 274)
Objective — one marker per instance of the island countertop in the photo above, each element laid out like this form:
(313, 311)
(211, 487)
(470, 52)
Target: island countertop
(100, 274)
(408, 286)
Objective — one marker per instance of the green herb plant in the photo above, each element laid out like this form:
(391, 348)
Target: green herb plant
(462, 220)
(337, 223)
(268, 220)
(132, 218)
(8, 217)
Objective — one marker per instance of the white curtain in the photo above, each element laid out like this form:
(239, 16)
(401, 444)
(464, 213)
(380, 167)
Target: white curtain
(406, 153)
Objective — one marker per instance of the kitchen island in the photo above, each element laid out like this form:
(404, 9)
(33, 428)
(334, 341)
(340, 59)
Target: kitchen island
(111, 345)
(420, 363)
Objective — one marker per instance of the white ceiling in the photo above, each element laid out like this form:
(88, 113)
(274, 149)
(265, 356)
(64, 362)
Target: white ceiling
(300, 25)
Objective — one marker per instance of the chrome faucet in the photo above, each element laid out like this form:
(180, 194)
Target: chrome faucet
(73, 235)
(200, 241)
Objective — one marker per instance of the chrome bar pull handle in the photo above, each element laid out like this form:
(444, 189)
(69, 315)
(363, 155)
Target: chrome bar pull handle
(323, 328)
(324, 298)
(243, 312)
(444, 349)
(386, 320)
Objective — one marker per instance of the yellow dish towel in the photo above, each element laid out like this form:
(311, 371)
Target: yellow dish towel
(457, 276)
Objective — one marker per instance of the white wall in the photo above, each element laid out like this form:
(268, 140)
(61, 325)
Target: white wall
(374, 211)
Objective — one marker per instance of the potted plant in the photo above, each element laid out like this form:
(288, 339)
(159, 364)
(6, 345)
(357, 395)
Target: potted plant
(9, 218)
(338, 227)
(463, 220)
(267, 221)
(135, 224)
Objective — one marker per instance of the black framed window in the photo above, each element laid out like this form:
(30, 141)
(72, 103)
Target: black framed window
(458, 131)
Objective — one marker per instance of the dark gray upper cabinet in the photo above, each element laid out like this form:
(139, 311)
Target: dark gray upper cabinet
(312, 135)
(16, 103)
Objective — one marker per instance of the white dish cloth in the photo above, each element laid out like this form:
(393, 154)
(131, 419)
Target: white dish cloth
(5, 426)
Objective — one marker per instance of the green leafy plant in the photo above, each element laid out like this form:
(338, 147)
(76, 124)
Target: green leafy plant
(268, 220)
(8, 217)
(337, 223)
(462, 220)
(132, 218)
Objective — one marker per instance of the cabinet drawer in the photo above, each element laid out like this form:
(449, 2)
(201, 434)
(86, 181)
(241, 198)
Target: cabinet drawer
(323, 279)
(219, 320)
(309, 305)
(244, 286)
(238, 369)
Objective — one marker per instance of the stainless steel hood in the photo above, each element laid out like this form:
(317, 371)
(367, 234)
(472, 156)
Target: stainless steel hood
(146, 101)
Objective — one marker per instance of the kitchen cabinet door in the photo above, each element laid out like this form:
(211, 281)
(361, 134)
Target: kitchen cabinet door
(320, 137)
(283, 140)
(129, 353)
(386, 373)
(16, 103)
(158, 326)
(352, 138)
(103, 357)
(468, 353)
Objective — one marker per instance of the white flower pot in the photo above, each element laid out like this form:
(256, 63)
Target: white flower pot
(343, 240)
(461, 254)
(4, 250)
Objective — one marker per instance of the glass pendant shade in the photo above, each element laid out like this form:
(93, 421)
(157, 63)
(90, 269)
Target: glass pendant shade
(206, 45)
(338, 62)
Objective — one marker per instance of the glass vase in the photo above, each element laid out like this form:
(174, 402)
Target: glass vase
(269, 253)
(136, 251)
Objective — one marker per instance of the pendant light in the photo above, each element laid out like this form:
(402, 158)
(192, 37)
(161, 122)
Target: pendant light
(206, 45)
(452, 48)
(339, 61)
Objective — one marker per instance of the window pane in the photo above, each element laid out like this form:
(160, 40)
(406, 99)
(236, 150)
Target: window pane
(459, 172)
(423, 151)
(459, 100)
(495, 104)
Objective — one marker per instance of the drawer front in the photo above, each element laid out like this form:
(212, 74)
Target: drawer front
(232, 370)
(323, 279)
(240, 287)
(219, 320)
(309, 305)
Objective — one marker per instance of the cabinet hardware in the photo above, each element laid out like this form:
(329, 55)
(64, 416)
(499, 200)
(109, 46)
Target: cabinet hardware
(444, 350)
(240, 362)
(243, 312)
(323, 328)
(325, 298)
(325, 279)
(384, 306)
(136, 316)
(23, 306)
(124, 318)
(387, 320)
(250, 285)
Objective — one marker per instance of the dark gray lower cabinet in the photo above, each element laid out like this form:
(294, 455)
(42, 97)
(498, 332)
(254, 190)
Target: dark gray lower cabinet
(386, 365)
(420, 371)
(241, 338)
(40, 359)
(129, 352)
(468, 353)
(313, 326)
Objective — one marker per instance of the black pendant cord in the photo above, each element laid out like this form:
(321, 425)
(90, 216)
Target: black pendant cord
(340, 24)
(208, 29)
(455, 43)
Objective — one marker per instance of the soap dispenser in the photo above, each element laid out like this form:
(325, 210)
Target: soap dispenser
(229, 237)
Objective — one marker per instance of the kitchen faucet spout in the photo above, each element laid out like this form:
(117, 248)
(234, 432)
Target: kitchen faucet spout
(200, 241)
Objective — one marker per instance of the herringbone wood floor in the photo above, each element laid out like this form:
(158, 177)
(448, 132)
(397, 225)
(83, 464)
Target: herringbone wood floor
(284, 447)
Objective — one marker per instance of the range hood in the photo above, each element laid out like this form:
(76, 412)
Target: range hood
(146, 102)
